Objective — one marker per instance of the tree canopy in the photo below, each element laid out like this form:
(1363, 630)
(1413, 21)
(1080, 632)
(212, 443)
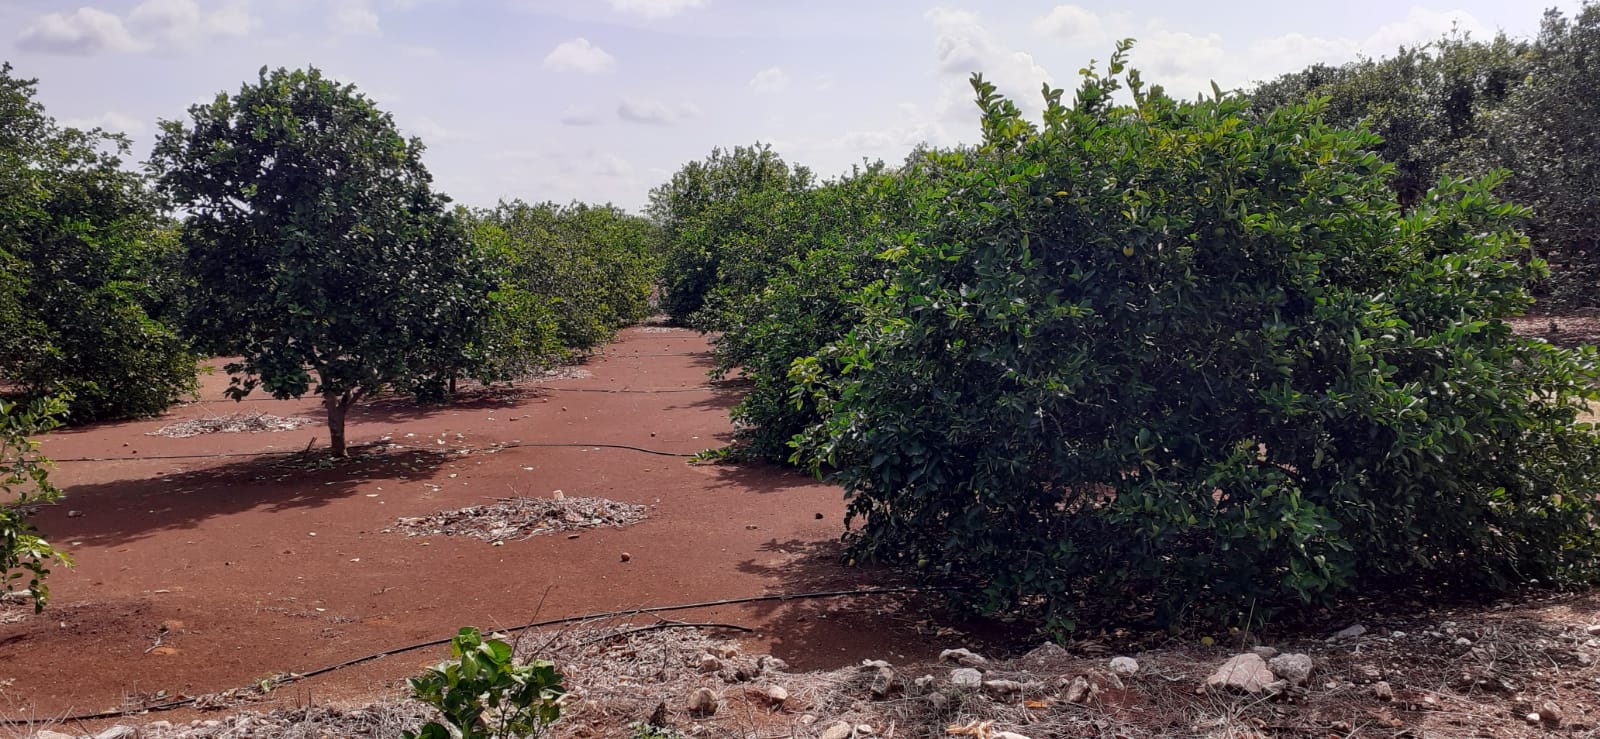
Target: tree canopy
(84, 297)
(321, 254)
(1465, 107)
(1175, 359)
(713, 216)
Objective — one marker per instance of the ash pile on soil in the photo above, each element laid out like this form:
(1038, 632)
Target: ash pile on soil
(516, 519)
(231, 424)
(561, 373)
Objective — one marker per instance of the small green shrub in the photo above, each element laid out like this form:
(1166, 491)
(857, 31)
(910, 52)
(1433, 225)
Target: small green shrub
(646, 731)
(25, 483)
(483, 694)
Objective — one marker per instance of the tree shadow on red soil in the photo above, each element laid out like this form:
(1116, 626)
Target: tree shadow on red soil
(122, 511)
(398, 409)
(120, 428)
(756, 477)
(822, 633)
(716, 399)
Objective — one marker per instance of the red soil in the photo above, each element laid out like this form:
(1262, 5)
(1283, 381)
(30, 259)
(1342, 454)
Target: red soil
(249, 566)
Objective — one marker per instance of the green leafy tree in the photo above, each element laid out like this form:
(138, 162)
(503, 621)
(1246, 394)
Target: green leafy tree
(589, 269)
(83, 264)
(1428, 104)
(520, 335)
(825, 243)
(1175, 359)
(716, 226)
(25, 484)
(320, 253)
(1548, 135)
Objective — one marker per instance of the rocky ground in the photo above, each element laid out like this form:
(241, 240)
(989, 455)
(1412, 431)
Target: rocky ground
(1567, 329)
(1509, 670)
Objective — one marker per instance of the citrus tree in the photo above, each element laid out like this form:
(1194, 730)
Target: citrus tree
(568, 277)
(793, 297)
(84, 261)
(320, 253)
(1173, 359)
(717, 227)
(1546, 135)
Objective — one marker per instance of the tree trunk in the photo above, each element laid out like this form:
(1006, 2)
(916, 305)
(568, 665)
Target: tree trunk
(336, 411)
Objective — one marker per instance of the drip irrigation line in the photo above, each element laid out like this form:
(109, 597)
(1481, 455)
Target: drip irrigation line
(651, 391)
(296, 677)
(137, 457)
(534, 387)
(518, 445)
(625, 447)
(652, 354)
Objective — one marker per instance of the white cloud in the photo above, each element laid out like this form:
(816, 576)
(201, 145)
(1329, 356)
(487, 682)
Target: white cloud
(182, 23)
(430, 131)
(914, 125)
(112, 122)
(1186, 63)
(579, 115)
(85, 32)
(655, 8)
(1420, 26)
(580, 55)
(1070, 23)
(354, 18)
(865, 141)
(611, 165)
(770, 80)
(152, 25)
(964, 46)
(655, 112)
(233, 19)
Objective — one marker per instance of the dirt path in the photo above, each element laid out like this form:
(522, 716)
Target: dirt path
(199, 574)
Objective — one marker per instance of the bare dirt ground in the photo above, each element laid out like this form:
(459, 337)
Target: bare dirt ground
(197, 572)
(203, 575)
(1568, 330)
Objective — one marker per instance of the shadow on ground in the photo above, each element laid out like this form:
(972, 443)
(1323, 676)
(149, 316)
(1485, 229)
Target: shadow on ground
(399, 409)
(756, 477)
(122, 511)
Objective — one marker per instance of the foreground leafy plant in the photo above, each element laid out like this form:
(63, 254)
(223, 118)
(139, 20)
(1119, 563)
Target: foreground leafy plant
(1165, 360)
(483, 694)
(25, 483)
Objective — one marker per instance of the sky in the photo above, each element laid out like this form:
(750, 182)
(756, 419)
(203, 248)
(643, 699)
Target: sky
(601, 100)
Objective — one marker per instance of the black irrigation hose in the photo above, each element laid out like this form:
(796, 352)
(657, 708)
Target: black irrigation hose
(518, 445)
(300, 676)
(625, 447)
(135, 458)
(626, 355)
(647, 391)
(655, 391)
